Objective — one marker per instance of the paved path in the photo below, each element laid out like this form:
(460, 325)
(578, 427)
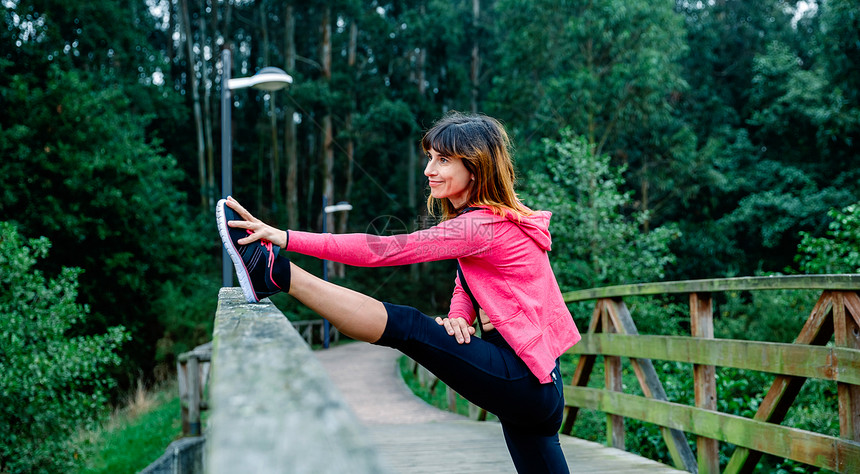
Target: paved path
(415, 437)
(369, 379)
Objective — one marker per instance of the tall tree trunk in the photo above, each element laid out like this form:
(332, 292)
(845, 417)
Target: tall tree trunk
(207, 113)
(171, 50)
(274, 155)
(350, 144)
(414, 175)
(228, 20)
(327, 152)
(476, 57)
(290, 138)
(646, 204)
(195, 97)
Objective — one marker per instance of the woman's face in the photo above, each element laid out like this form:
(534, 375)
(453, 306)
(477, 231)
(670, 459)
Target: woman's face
(448, 177)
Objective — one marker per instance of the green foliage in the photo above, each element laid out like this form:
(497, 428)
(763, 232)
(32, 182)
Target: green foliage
(82, 172)
(595, 243)
(51, 381)
(134, 437)
(839, 250)
(774, 131)
(435, 396)
(775, 316)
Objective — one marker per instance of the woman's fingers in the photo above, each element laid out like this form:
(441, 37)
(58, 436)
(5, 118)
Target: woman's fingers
(243, 213)
(258, 229)
(457, 327)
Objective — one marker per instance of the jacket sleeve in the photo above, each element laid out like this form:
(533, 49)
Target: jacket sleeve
(450, 239)
(461, 304)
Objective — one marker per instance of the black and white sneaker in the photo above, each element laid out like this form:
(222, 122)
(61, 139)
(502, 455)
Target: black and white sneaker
(254, 262)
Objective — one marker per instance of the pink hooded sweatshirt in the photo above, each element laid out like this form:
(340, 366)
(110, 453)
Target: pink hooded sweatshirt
(505, 263)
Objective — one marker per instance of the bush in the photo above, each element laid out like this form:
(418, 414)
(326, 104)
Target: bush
(51, 381)
(839, 251)
(595, 241)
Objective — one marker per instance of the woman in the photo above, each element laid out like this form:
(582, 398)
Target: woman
(504, 279)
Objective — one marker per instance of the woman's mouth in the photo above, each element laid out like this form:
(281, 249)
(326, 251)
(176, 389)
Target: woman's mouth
(435, 183)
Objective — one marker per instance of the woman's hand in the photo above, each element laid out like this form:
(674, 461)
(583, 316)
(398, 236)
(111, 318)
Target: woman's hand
(260, 229)
(457, 327)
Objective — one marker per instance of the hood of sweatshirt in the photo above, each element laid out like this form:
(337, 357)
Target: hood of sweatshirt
(536, 226)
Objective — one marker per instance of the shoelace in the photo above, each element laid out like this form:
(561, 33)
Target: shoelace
(270, 262)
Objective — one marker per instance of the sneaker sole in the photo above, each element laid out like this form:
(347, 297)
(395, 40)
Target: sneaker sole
(238, 264)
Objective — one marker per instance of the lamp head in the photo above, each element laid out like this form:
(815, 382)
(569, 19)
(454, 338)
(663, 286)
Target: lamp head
(267, 79)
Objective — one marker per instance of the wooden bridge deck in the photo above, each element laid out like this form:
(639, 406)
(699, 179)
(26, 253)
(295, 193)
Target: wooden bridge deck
(415, 437)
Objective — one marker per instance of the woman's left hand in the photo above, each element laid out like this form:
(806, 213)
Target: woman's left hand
(260, 230)
(457, 327)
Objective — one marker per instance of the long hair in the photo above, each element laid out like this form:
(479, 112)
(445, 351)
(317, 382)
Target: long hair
(485, 149)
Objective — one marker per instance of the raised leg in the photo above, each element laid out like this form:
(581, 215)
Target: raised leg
(352, 313)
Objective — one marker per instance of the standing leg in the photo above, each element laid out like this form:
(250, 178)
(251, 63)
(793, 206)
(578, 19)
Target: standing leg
(534, 453)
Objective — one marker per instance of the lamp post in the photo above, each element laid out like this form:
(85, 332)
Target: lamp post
(267, 79)
(341, 206)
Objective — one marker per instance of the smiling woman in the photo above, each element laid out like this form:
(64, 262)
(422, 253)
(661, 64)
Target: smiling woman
(448, 178)
(512, 369)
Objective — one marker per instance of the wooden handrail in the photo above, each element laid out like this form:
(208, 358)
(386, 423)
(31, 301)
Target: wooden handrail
(816, 353)
(272, 406)
(787, 282)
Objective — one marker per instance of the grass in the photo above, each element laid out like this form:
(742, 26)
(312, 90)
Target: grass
(435, 395)
(135, 435)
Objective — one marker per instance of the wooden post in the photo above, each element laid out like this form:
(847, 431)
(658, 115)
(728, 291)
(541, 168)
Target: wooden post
(583, 371)
(705, 380)
(784, 389)
(452, 399)
(182, 375)
(676, 440)
(193, 373)
(847, 332)
(612, 367)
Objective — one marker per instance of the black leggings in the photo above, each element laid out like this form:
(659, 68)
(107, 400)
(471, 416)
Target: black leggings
(488, 373)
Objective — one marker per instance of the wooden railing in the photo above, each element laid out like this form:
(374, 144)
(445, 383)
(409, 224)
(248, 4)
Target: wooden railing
(313, 331)
(272, 406)
(612, 334)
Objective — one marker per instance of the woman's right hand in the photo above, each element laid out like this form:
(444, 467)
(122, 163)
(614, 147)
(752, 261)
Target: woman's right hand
(259, 229)
(457, 327)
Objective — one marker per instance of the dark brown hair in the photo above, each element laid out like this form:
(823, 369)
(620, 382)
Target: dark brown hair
(483, 145)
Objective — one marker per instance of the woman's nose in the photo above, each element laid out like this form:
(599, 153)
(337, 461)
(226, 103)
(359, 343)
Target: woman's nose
(429, 170)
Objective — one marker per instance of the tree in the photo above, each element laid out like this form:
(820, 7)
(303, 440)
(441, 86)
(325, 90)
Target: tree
(594, 242)
(839, 250)
(79, 169)
(51, 380)
(609, 71)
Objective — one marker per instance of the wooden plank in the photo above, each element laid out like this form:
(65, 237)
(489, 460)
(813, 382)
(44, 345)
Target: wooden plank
(705, 380)
(826, 363)
(584, 366)
(676, 441)
(852, 305)
(789, 282)
(478, 447)
(811, 448)
(847, 333)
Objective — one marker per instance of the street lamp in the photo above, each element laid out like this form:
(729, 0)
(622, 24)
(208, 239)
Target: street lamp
(341, 206)
(267, 79)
